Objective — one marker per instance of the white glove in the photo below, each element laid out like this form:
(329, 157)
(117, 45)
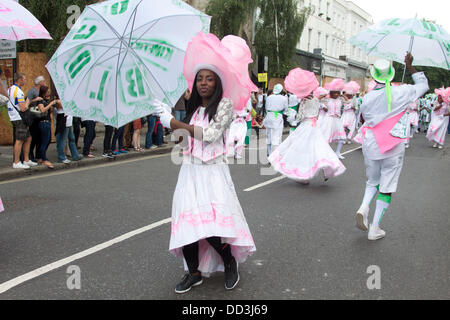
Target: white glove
(161, 106)
(165, 118)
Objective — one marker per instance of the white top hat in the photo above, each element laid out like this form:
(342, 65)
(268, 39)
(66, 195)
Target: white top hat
(382, 71)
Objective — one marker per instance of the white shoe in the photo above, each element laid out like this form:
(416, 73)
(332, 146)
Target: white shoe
(340, 156)
(30, 163)
(435, 145)
(440, 147)
(20, 165)
(362, 218)
(407, 145)
(375, 233)
(67, 161)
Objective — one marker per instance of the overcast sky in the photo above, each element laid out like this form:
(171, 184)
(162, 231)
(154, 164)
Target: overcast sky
(438, 10)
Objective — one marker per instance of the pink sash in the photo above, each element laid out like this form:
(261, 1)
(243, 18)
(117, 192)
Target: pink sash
(382, 134)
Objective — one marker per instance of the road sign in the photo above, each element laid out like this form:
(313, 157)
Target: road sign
(262, 77)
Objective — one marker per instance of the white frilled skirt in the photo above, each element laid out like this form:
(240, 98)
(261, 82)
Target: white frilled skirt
(205, 204)
(437, 129)
(304, 153)
(332, 129)
(349, 122)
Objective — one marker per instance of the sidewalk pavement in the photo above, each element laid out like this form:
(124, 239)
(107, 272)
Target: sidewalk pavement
(6, 156)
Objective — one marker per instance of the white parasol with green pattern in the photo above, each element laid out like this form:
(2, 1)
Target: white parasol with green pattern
(428, 42)
(121, 57)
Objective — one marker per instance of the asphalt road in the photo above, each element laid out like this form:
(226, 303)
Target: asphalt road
(307, 244)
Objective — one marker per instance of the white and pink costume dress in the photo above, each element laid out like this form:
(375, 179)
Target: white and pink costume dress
(439, 124)
(238, 132)
(205, 203)
(349, 117)
(305, 152)
(331, 125)
(1, 205)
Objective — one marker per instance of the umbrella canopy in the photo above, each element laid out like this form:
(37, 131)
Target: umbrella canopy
(120, 58)
(17, 23)
(429, 43)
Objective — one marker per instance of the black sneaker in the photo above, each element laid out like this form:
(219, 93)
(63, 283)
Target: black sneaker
(231, 275)
(108, 155)
(189, 280)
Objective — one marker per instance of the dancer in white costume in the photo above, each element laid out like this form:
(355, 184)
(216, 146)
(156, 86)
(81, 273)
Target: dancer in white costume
(439, 118)
(331, 126)
(384, 135)
(293, 103)
(350, 109)
(209, 229)
(238, 132)
(305, 152)
(413, 113)
(321, 94)
(276, 106)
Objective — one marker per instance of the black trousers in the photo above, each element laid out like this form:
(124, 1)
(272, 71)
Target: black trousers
(76, 129)
(109, 130)
(190, 253)
(89, 136)
(35, 140)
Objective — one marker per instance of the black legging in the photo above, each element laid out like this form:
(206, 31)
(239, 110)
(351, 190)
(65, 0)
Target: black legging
(190, 253)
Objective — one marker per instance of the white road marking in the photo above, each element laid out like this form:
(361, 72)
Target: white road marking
(282, 177)
(96, 166)
(350, 151)
(55, 265)
(264, 184)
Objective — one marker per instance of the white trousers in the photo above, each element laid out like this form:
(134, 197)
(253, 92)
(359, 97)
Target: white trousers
(384, 172)
(274, 136)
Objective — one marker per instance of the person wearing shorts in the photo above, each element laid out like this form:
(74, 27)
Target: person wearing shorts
(21, 131)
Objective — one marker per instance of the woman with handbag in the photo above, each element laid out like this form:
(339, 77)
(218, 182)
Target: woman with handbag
(45, 107)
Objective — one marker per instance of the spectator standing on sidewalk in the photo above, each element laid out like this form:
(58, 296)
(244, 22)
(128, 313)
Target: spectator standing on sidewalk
(21, 131)
(107, 150)
(45, 127)
(63, 133)
(137, 126)
(33, 96)
(89, 136)
(118, 138)
(149, 142)
(180, 107)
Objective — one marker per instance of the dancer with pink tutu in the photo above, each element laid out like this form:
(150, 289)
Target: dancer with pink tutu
(209, 229)
(439, 118)
(321, 95)
(331, 126)
(413, 114)
(350, 108)
(305, 152)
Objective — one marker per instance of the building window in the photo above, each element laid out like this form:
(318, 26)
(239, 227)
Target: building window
(328, 9)
(319, 36)
(326, 44)
(354, 51)
(309, 39)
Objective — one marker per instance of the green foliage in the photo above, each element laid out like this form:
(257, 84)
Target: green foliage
(53, 15)
(437, 78)
(290, 27)
(229, 16)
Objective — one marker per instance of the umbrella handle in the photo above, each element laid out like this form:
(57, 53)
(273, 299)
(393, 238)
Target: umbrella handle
(411, 42)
